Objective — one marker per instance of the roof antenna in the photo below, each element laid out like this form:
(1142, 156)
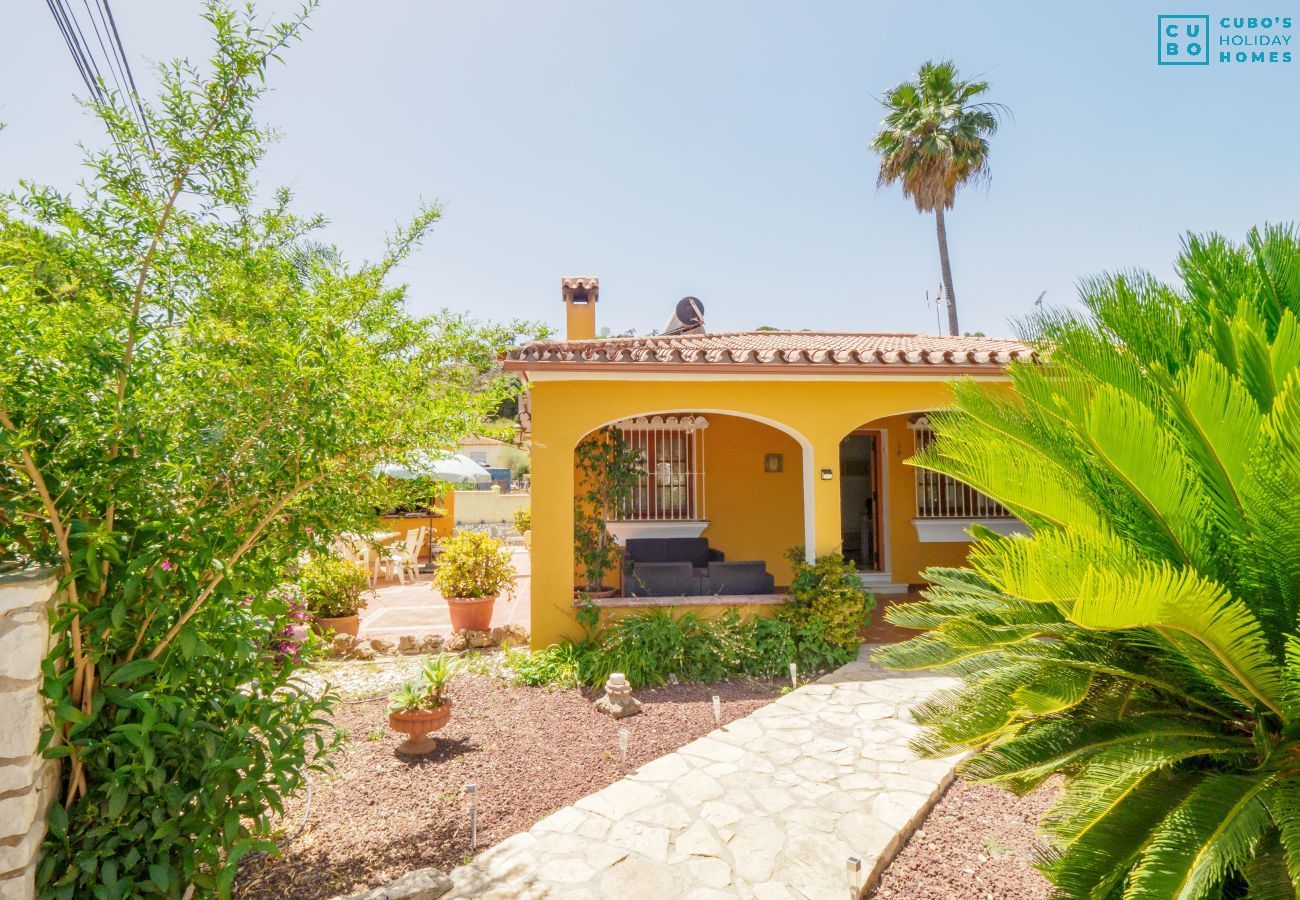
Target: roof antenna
(1039, 301)
(938, 304)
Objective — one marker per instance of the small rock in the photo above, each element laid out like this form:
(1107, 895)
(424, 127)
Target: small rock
(478, 638)
(431, 643)
(343, 644)
(422, 884)
(363, 651)
(456, 641)
(408, 644)
(510, 635)
(381, 645)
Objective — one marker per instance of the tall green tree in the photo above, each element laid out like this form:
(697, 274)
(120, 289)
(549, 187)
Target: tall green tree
(933, 140)
(194, 393)
(1143, 642)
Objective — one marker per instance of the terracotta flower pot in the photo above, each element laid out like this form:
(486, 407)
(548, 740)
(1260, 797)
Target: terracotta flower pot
(417, 725)
(341, 625)
(605, 594)
(471, 613)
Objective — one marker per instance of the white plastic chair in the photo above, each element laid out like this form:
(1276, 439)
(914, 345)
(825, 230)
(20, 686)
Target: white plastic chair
(406, 558)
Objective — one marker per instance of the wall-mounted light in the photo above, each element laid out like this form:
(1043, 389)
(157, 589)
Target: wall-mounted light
(826, 475)
(773, 462)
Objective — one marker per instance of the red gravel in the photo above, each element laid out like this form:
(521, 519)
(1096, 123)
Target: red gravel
(978, 843)
(529, 750)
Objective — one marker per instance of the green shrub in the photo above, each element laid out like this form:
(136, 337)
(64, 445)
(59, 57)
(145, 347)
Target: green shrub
(474, 564)
(523, 519)
(827, 598)
(650, 646)
(608, 469)
(554, 666)
(430, 692)
(333, 587)
(817, 629)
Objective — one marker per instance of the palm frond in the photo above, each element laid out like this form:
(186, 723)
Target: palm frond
(1203, 840)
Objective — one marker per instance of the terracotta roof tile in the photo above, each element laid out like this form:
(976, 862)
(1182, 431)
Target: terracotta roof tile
(801, 349)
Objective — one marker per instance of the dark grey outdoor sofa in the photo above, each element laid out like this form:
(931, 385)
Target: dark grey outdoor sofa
(688, 567)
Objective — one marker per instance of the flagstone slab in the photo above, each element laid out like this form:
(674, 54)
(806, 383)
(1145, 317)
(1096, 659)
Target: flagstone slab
(769, 806)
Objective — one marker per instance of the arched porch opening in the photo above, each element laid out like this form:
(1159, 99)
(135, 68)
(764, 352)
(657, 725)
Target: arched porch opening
(739, 482)
(897, 520)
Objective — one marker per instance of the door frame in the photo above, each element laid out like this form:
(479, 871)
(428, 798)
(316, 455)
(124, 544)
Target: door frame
(881, 514)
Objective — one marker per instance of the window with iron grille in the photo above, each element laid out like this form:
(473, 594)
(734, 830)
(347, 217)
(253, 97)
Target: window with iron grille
(671, 486)
(944, 497)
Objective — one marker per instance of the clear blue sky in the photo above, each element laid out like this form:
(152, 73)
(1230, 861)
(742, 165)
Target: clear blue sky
(720, 148)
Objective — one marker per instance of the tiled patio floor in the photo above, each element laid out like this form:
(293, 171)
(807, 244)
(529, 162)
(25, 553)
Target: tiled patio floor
(415, 608)
(882, 632)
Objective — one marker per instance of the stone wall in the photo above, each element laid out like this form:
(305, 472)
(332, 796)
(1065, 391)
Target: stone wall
(27, 782)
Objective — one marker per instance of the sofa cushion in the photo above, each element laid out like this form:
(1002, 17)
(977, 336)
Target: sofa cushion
(660, 550)
(662, 579)
(749, 577)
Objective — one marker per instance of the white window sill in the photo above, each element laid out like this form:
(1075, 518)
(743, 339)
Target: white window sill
(956, 531)
(685, 528)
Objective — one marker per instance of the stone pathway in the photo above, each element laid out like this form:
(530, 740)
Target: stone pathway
(770, 806)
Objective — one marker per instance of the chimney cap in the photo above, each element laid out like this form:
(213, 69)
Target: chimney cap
(580, 283)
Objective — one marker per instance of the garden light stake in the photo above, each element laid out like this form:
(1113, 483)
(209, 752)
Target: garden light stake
(470, 790)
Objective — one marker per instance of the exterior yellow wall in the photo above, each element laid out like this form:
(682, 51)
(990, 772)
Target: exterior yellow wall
(441, 525)
(752, 514)
(820, 412)
(580, 321)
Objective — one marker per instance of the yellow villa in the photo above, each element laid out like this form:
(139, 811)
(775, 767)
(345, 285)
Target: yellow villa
(755, 442)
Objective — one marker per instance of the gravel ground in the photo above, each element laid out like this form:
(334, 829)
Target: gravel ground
(529, 750)
(976, 844)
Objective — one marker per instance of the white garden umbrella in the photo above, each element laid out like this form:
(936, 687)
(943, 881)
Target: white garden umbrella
(453, 468)
(435, 465)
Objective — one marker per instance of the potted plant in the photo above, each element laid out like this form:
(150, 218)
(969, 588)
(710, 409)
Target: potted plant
(473, 570)
(418, 708)
(524, 524)
(334, 590)
(610, 468)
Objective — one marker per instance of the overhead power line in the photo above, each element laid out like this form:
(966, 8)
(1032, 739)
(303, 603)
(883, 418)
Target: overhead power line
(106, 55)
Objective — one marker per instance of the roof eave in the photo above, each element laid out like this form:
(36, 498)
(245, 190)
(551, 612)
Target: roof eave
(809, 369)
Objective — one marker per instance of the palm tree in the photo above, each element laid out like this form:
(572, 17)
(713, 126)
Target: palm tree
(1143, 642)
(933, 140)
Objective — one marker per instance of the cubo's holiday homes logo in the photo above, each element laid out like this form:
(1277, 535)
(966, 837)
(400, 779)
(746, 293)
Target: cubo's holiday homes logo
(1183, 40)
(1186, 40)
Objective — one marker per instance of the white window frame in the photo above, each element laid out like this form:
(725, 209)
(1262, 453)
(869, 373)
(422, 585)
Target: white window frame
(685, 435)
(937, 521)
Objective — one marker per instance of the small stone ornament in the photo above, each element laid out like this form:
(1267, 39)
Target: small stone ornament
(618, 700)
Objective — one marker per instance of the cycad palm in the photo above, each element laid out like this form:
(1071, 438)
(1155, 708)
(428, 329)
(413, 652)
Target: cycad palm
(1143, 642)
(933, 140)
